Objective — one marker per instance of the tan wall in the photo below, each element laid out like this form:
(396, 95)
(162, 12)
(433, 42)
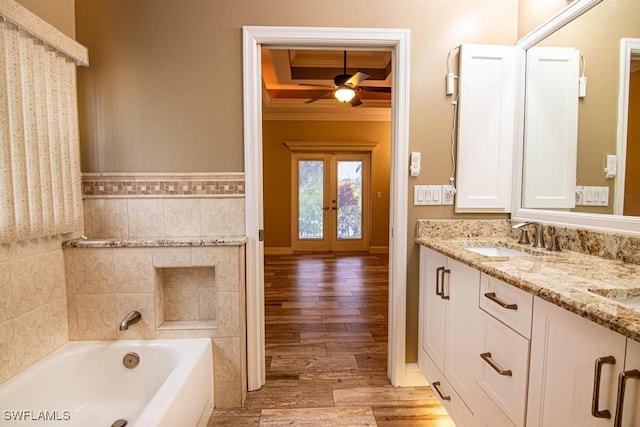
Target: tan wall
(277, 172)
(597, 35)
(632, 178)
(164, 90)
(59, 13)
(533, 13)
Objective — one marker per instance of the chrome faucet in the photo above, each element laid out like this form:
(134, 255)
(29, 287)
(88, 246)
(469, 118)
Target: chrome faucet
(539, 239)
(130, 319)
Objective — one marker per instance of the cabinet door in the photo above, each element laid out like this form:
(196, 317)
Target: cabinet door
(463, 342)
(564, 350)
(432, 306)
(630, 411)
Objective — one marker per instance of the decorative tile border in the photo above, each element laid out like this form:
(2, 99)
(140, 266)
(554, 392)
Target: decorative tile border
(134, 185)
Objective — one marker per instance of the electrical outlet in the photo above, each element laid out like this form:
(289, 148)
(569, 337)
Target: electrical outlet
(579, 195)
(448, 193)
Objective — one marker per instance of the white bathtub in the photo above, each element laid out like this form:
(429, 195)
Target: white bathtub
(84, 383)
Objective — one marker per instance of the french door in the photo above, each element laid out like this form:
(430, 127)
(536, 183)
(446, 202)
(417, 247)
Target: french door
(330, 202)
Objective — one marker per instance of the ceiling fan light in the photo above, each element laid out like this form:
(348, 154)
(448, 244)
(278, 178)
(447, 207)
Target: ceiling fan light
(344, 94)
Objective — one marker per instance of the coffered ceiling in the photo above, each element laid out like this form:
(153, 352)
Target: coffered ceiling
(289, 78)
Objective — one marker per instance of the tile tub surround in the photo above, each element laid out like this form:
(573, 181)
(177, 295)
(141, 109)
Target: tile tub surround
(33, 308)
(106, 279)
(565, 278)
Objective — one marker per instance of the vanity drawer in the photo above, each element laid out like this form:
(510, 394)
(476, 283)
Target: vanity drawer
(510, 305)
(505, 368)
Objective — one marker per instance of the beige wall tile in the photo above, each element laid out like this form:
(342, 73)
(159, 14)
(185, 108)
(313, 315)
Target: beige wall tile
(171, 257)
(5, 291)
(226, 359)
(181, 304)
(34, 247)
(228, 274)
(109, 218)
(208, 303)
(5, 251)
(182, 217)
(241, 228)
(69, 271)
(133, 270)
(229, 313)
(146, 217)
(55, 274)
(93, 270)
(86, 207)
(31, 337)
(186, 277)
(7, 351)
(146, 327)
(72, 318)
(228, 394)
(219, 217)
(28, 284)
(96, 317)
(58, 322)
(208, 256)
(206, 276)
(158, 295)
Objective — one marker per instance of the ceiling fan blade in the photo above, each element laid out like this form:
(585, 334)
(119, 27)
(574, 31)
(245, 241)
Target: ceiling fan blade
(356, 79)
(355, 101)
(314, 85)
(380, 89)
(326, 95)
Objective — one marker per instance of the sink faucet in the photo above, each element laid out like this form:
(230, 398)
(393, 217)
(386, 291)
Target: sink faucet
(539, 239)
(130, 319)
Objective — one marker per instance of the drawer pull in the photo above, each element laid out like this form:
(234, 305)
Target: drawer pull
(487, 358)
(622, 384)
(442, 295)
(595, 401)
(439, 272)
(436, 387)
(492, 296)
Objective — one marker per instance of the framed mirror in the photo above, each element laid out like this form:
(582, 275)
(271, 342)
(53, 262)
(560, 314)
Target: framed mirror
(601, 113)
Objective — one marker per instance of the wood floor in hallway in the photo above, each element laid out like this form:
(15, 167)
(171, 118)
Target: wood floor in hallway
(326, 349)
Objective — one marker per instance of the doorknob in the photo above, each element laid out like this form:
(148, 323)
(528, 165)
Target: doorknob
(326, 208)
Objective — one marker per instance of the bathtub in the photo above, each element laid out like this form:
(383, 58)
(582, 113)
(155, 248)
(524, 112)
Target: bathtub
(85, 383)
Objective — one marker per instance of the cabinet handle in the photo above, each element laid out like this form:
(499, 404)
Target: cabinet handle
(595, 411)
(436, 387)
(442, 295)
(439, 271)
(492, 296)
(622, 384)
(487, 358)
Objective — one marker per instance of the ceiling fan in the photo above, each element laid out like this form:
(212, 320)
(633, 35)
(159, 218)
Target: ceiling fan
(345, 87)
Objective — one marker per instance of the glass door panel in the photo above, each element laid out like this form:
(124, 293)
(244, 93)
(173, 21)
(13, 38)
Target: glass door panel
(310, 199)
(349, 223)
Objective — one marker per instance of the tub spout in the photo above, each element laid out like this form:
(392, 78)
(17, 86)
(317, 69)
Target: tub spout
(130, 319)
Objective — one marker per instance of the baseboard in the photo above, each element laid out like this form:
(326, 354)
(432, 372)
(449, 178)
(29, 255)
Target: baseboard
(278, 250)
(379, 249)
(413, 376)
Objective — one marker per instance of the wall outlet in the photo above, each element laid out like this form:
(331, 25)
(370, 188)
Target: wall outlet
(448, 193)
(579, 195)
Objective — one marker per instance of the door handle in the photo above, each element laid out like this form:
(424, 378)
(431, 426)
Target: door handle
(326, 208)
(492, 296)
(622, 384)
(439, 271)
(487, 358)
(442, 295)
(595, 401)
(436, 386)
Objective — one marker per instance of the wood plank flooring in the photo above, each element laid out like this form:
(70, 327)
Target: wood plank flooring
(326, 349)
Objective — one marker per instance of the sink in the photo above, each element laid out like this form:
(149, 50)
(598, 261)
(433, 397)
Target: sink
(628, 297)
(496, 251)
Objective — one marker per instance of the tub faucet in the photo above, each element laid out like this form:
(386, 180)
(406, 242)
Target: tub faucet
(539, 239)
(130, 319)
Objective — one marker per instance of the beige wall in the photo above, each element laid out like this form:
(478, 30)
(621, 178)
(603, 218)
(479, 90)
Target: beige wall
(164, 89)
(59, 13)
(277, 172)
(533, 13)
(632, 178)
(597, 35)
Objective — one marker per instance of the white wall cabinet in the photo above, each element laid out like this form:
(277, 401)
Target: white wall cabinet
(490, 90)
(450, 341)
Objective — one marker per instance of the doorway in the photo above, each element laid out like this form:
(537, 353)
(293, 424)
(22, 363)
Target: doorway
(330, 203)
(396, 40)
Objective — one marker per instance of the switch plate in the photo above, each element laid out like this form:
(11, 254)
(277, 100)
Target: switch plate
(427, 195)
(448, 194)
(595, 196)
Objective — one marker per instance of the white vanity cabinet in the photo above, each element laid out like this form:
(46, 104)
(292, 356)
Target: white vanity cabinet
(450, 331)
(628, 398)
(574, 369)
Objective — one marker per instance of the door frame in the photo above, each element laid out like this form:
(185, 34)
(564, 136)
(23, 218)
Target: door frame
(396, 40)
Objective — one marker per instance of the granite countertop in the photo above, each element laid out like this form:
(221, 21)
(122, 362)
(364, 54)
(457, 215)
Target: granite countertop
(156, 242)
(577, 282)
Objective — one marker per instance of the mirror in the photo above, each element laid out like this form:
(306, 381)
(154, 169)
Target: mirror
(597, 35)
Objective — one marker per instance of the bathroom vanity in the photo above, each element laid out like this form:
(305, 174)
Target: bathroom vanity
(510, 335)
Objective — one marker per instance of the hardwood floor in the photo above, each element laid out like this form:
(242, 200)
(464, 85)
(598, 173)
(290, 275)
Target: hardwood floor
(326, 349)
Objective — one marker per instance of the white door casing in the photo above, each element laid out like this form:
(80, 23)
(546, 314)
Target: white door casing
(396, 40)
